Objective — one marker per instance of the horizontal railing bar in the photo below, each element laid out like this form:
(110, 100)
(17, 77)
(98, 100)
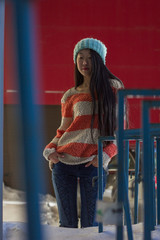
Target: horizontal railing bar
(135, 134)
(140, 93)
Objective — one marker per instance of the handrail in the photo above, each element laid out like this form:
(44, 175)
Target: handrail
(149, 135)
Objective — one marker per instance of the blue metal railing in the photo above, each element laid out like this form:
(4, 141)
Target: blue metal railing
(121, 136)
(147, 135)
(148, 170)
(126, 200)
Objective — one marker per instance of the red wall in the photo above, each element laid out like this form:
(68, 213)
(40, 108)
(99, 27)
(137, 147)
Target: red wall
(130, 30)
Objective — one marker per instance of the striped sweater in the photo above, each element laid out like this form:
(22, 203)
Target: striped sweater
(73, 137)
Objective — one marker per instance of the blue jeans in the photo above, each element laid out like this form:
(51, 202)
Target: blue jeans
(65, 179)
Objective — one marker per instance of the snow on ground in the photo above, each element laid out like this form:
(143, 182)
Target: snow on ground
(14, 221)
(14, 207)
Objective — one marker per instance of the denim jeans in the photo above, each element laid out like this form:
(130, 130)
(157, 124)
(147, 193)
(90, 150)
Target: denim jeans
(65, 179)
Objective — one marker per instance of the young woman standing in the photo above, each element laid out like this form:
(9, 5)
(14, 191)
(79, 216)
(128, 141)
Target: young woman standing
(88, 111)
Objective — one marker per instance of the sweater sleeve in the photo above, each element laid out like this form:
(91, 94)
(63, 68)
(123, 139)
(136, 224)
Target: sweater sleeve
(66, 112)
(109, 151)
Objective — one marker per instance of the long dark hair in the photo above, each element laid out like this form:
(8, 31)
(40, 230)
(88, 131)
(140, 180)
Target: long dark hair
(102, 92)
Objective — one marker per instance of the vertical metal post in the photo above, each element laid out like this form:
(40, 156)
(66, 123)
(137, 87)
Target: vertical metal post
(146, 170)
(126, 151)
(126, 198)
(158, 180)
(127, 211)
(136, 181)
(127, 161)
(100, 177)
(153, 195)
(30, 119)
(120, 140)
(2, 21)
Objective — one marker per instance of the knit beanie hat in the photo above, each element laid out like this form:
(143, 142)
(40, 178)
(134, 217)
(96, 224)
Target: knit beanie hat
(93, 44)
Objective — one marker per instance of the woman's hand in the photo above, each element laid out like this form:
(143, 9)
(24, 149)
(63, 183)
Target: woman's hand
(94, 162)
(53, 159)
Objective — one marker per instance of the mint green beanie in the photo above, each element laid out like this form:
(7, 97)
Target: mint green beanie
(93, 44)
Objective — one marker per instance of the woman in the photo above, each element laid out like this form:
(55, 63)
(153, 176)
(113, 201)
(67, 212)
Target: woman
(88, 111)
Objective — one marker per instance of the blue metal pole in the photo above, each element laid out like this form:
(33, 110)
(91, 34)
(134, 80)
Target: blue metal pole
(158, 179)
(126, 151)
(127, 161)
(127, 211)
(120, 140)
(137, 133)
(2, 22)
(100, 177)
(126, 199)
(153, 195)
(140, 92)
(30, 118)
(136, 181)
(146, 171)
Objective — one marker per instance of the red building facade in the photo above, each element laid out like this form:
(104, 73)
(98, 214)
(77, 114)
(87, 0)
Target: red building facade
(129, 29)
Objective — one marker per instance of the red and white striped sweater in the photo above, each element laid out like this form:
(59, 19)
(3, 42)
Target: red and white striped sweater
(73, 137)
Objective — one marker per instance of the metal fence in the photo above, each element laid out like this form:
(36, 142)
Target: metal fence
(149, 135)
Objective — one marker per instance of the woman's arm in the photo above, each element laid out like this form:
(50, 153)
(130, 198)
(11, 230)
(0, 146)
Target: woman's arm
(66, 120)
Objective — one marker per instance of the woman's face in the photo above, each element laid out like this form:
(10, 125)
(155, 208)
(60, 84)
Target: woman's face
(84, 63)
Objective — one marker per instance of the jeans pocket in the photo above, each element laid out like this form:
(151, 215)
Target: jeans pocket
(55, 165)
